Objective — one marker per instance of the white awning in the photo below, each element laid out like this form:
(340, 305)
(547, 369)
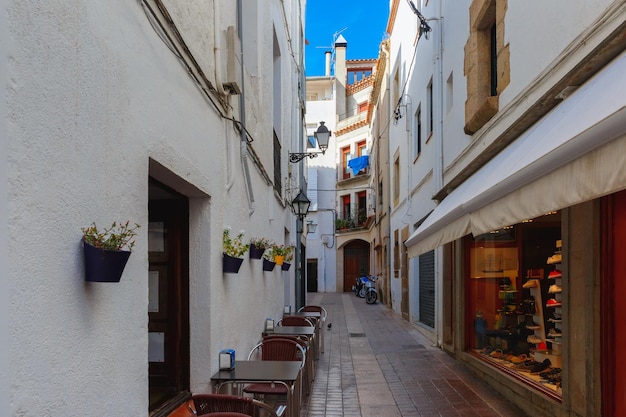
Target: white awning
(575, 153)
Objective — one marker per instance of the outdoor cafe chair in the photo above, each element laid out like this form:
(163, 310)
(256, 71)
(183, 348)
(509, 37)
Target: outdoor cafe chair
(323, 316)
(224, 405)
(294, 321)
(303, 341)
(276, 349)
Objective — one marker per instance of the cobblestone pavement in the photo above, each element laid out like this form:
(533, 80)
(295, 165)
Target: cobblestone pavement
(377, 364)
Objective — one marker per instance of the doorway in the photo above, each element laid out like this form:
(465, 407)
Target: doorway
(311, 275)
(356, 262)
(168, 291)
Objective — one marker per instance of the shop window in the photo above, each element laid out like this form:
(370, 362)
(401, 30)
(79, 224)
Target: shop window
(514, 302)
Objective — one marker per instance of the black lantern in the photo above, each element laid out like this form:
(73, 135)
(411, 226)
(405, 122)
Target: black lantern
(322, 136)
(300, 205)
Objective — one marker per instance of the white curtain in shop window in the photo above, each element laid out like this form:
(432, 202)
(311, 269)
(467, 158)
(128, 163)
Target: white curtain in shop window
(532, 176)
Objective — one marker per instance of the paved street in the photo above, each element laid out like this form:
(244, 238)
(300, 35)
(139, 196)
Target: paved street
(376, 364)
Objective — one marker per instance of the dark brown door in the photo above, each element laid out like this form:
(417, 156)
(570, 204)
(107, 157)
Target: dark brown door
(613, 290)
(168, 311)
(311, 275)
(356, 260)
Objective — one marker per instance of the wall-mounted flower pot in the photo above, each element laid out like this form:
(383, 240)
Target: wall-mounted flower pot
(268, 265)
(104, 265)
(256, 253)
(231, 265)
(285, 266)
(279, 259)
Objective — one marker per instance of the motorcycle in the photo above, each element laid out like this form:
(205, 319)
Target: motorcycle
(371, 293)
(359, 288)
(366, 288)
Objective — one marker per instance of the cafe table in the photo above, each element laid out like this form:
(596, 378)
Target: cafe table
(286, 373)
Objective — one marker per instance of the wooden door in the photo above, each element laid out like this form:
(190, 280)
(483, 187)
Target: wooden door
(168, 286)
(613, 316)
(355, 262)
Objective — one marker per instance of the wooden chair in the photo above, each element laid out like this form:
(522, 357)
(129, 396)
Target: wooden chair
(223, 405)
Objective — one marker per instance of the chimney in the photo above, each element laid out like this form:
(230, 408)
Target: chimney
(327, 66)
(341, 74)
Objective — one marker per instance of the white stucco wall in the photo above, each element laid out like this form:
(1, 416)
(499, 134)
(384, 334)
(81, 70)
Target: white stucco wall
(92, 95)
(5, 341)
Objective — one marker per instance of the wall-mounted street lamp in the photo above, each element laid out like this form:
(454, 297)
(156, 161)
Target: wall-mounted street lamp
(322, 136)
(300, 207)
(311, 227)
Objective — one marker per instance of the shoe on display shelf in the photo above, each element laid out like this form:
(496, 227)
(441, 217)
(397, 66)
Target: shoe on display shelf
(554, 289)
(555, 259)
(555, 333)
(554, 274)
(533, 339)
(531, 283)
(553, 303)
(541, 366)
(531, 325)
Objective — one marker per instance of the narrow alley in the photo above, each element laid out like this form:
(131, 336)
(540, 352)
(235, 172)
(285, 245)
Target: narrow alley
(377, 364)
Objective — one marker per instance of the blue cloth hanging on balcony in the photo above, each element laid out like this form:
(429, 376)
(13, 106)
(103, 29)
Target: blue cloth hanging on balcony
(357, 164)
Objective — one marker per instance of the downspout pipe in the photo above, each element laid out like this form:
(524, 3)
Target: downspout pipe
(242, 111)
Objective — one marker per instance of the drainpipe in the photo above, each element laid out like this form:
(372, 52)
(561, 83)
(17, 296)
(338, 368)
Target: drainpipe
(438, 177)
(242, 110)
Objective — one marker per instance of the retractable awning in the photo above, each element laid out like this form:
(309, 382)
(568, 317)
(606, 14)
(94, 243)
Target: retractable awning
(576, 153)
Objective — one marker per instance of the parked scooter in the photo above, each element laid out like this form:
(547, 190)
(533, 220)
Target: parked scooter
(366, 288)
(359, 288)
(371, 293)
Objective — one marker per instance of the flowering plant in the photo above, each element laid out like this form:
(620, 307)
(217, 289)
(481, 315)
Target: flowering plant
(289, 254)
(279, 250)
(115, 237)
(261, 242)
(233, 245)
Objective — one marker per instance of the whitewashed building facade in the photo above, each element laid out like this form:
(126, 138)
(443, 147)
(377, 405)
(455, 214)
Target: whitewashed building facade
(178, 116)
(507, 179)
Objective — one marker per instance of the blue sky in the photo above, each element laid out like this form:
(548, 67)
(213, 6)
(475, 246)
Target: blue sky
(364, 21)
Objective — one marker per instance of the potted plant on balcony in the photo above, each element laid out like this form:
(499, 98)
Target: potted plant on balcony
(342, 224)
(258, 245)
(234, 249)
(288, 258)
(105, 257)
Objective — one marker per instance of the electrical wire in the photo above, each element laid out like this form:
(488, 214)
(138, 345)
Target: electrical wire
(161, 32)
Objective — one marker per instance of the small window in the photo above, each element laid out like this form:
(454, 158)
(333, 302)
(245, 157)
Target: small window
(430, 104)
(417, 134)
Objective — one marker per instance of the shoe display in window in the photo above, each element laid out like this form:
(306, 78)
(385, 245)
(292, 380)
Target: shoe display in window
(531, 324)
(553, 303)
(541, 366)
(554, 333)
(554, 259)
(533, 339)
(554, 274)
(554, 289)
(530, 283)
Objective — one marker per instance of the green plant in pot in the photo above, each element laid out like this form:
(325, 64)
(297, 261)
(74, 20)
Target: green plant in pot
(258, 245)
(104, 250)
(234, 249)
(288, 258)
